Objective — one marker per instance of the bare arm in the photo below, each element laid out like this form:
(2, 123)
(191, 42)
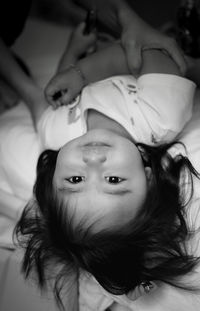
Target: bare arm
(135, 33)
(103, 64)
(112, 61)
(24, 85)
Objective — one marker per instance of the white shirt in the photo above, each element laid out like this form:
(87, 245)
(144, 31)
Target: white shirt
(153, 109)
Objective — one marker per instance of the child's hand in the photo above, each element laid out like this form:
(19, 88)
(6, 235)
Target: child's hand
(64, 87)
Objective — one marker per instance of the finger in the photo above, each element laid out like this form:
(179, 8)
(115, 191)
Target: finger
(80, 28)
(56, 87)
(50, 100)
(90, 37)
(133, 55)
(60, 94)
(53, 97)
(58, 99)
(53, 104)
(56, 96)
(177, 55)
(67, 98)
(52, 88)
(57, 104)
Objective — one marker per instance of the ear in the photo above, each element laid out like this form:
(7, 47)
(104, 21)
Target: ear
(148, 173)
(144, 155)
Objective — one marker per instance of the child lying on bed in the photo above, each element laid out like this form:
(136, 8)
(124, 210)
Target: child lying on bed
(109, 198)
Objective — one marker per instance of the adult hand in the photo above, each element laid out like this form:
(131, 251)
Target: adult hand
(138, 35)
(78, 46)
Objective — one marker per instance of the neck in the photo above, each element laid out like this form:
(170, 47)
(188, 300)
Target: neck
(97, 120)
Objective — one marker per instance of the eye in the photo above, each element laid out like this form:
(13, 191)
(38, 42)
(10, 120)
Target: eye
(75, 179)
(113, 179)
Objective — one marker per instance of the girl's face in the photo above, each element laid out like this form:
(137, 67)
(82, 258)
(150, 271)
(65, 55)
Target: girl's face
(101, 175)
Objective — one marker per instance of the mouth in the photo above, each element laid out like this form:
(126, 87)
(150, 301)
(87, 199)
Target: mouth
(98, 138)
(96, 144)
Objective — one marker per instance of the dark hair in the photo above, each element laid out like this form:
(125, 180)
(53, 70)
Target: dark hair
(152, 246)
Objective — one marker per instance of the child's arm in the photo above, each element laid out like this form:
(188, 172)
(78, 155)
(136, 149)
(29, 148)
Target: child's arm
(158, 61)
(67, 84)
(103, 64)
(112, 61)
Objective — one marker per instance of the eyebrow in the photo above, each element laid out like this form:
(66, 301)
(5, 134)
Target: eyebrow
(118, 191)
(69, 190)
(112, 192)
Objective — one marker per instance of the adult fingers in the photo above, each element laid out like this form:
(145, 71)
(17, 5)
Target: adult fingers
(86, 39)
(176, 53)
(133, 55)
(81, 27)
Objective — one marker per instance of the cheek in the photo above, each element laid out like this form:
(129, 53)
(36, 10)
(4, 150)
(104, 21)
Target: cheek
(139, 185)
(67, 157)
(85, 209)
(139, 193)
(122, 213)
(135, 171)
(130, 155)
(64, 154)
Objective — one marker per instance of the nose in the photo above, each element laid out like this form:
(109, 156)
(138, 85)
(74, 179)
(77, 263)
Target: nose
(94, 155)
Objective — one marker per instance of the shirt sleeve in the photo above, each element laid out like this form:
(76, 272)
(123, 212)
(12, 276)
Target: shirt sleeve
(91, 295)
(57, 127)
(164, 106)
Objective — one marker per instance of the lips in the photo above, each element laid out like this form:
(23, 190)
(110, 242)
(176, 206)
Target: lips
(96, 144)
